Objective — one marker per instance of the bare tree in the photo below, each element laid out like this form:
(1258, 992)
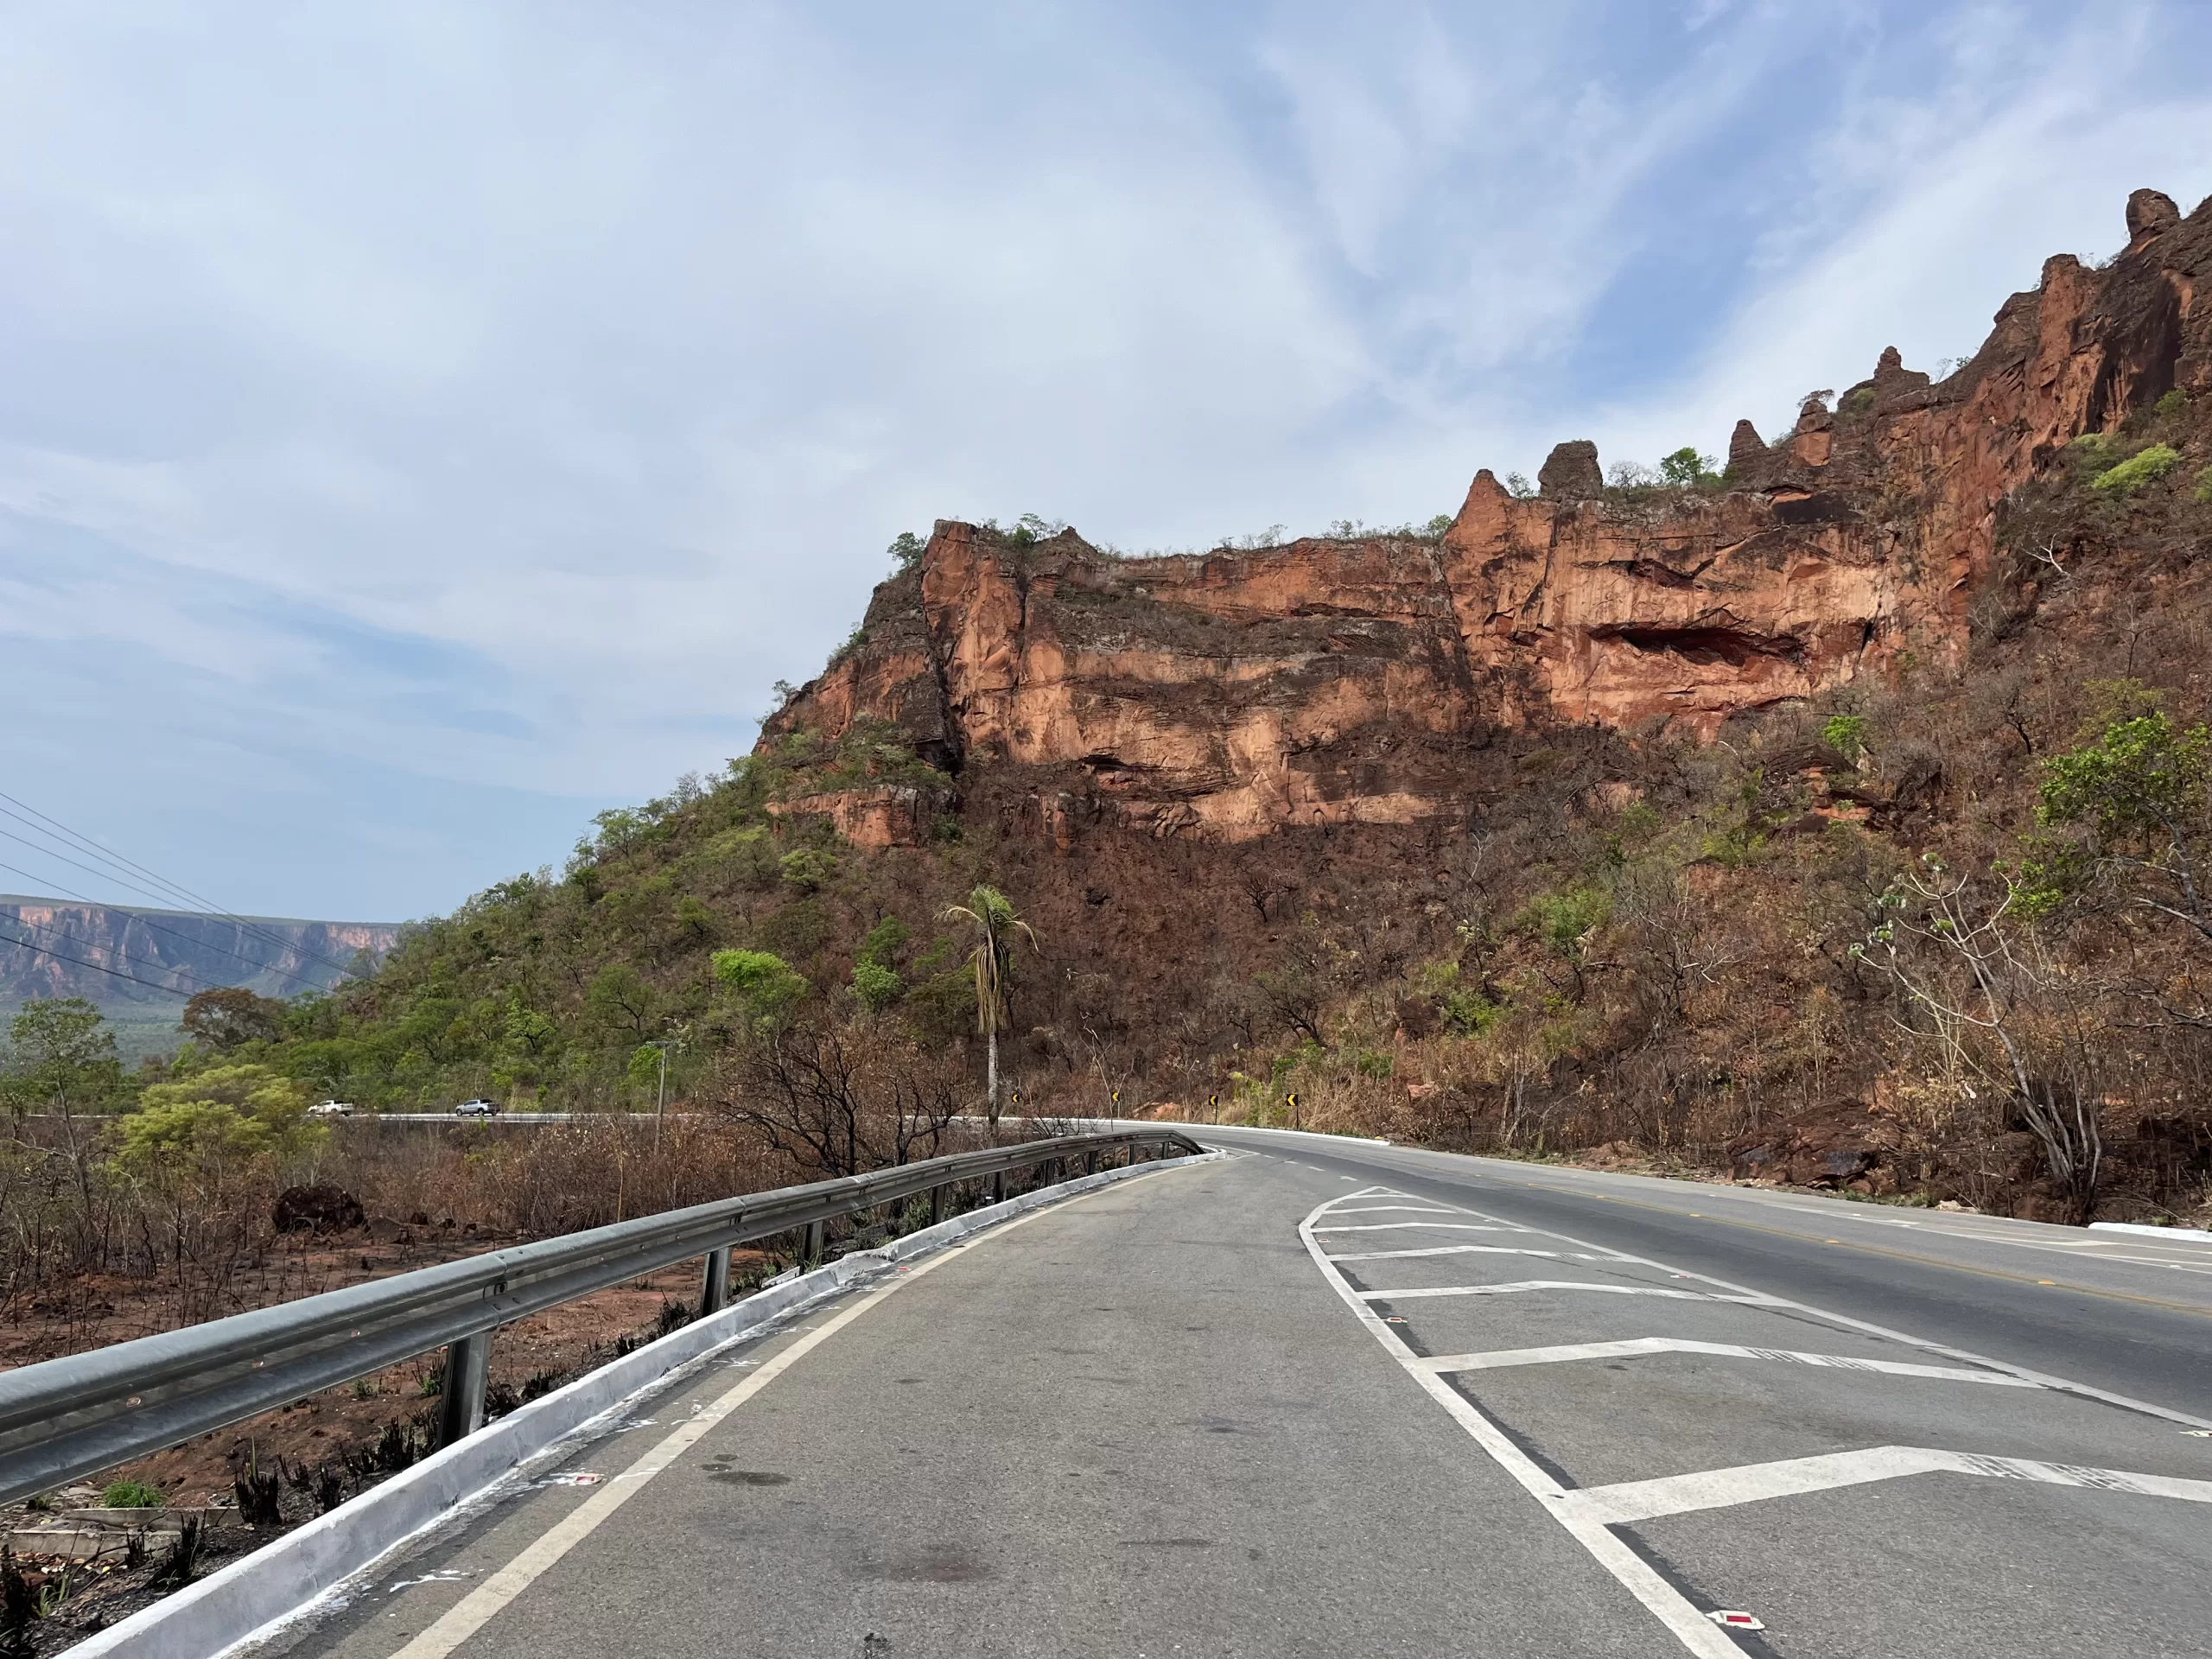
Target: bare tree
(1999, 1011)
(841, 1100)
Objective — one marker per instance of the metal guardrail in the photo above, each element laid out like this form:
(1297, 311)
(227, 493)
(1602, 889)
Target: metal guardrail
(64, 1419)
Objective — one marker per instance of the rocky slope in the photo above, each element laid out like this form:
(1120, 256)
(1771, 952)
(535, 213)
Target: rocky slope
(1343, 681)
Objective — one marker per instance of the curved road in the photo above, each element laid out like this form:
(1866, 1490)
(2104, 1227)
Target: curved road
(1332, 1397)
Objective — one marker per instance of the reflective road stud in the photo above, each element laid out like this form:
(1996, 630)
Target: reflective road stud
(1727, 1618)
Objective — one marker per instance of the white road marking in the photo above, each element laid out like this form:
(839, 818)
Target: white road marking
(1440, 1250)
(1720, 1489)
(1432, 1226)
(1641, 1580)
(1867, 1327)
(1636, 1347)
(1417, 1209)
(470, 1614)
(1558, 1284)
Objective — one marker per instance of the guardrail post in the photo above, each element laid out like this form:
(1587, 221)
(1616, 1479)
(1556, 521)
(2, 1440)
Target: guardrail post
(1091, 1162)
(937, 1206)
(998, 1187)
(714, 1292)
(813, 1244)
(460, 1392)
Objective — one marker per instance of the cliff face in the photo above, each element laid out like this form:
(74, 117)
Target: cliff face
(1347, 681)
(179, 952)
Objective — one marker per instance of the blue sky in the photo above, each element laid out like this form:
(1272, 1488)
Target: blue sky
(423, 425)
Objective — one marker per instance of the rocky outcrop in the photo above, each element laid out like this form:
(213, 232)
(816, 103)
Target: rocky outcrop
(873, 818)
(1338, 681)
(1570, 472)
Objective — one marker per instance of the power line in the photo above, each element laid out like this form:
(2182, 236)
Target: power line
(145, 921)
(113, 973)
(119, 861)
(108, 875)
(117, 864)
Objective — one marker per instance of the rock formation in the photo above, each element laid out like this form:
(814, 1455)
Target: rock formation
(1349, 680)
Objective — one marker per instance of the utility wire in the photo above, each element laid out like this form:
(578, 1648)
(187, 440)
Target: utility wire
(105, 875)
(113, 973)
(175, 896)
(144, 921)
(167, 899)
(85, 844)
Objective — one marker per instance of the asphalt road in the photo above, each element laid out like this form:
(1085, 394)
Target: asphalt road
(1334, 1398)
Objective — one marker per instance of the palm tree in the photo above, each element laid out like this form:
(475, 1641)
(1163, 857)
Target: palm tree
(990, 912)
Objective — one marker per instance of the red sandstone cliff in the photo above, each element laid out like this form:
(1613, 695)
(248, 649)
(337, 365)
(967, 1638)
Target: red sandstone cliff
(1338, 680)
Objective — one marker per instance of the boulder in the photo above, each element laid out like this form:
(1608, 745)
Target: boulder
(320, 1208)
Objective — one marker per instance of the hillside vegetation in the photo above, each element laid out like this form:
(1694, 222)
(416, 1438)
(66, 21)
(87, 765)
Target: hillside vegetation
(1942, 938)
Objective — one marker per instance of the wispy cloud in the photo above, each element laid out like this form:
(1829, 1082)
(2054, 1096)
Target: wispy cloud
(441, 421)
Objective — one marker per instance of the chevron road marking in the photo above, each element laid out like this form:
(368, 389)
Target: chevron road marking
(1753, 1299)
(1720, 1489)
(1636, 1347)
(1589, 1515)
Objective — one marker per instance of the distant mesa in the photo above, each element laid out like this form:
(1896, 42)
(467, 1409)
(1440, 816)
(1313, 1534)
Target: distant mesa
(156, 958)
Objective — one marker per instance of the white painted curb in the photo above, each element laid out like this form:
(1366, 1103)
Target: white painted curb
(242, 1601)
(2188, 1235)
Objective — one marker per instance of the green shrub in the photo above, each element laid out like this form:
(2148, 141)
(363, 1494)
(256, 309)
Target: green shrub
(809, 869)
(876, 986)
(1846, 735)
(884, 941)
(1468, 1013)
(1564, 921)
(2174, 403)
(2204, 485)
(764, 983)
(1686, 469)
(132, 1494)
(2147, 467)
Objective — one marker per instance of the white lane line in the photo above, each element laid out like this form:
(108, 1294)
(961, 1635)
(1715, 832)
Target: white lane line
(1515, 1288)
(1720, 1489)
(470, 1614)
(1638, 1347)
(1416, 1209)
(1443, 1249)
(1668, 1605)
(1432, 1226)
(1867, 1327)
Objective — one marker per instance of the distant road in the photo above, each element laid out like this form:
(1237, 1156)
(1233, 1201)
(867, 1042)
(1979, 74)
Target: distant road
(1332, 1397)
(507, 1117)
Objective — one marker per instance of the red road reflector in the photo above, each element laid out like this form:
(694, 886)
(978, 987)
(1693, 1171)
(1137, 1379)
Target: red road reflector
(575, 1479)
(1729, 1619)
